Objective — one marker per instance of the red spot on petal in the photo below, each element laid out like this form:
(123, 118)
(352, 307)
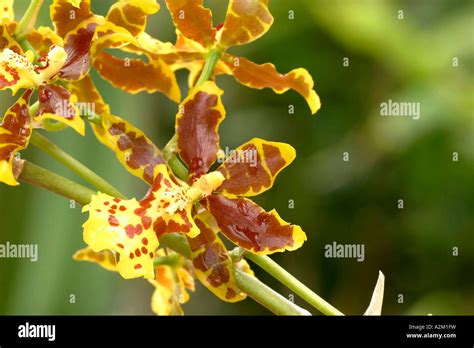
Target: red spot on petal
(116, 200)
(131, 255)
(145, 241)
(144, 250)
(133, 230)
(111, 211)
(120, 246)
(114, 206)
(138, 253)
(113, 221)
(146, 221)
(106, 203)
(151, 255)
(122, 208)
(138, 266)
(140, 211)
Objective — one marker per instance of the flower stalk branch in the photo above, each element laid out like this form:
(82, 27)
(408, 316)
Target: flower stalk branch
(73, 164)
(55, 183)
(287, 279)
(28, 20)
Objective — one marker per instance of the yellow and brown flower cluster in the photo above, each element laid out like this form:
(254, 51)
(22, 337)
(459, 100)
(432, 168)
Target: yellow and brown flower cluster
(123, 235)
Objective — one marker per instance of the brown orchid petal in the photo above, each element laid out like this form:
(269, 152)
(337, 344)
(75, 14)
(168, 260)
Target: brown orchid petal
(77, 45)
(197, 124)
(252, 228)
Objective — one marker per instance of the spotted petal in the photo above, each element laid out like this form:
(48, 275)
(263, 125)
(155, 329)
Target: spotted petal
(133, 149)
(193, 20)
(266, 76)
(246, 21)
(15, 132)
(57, 103)
(252, 228)
(212, 264)
(113, 225)
(252, 168)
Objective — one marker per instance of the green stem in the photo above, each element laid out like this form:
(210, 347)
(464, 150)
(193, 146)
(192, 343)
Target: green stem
(169, 260)
(208, 69)
(177, 242)
(279, 273)
(77, 167)
(267, 297)
(53, 182)
(28, 20)
(178, 168)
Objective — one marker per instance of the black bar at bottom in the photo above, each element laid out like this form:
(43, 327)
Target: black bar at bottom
(207, 330)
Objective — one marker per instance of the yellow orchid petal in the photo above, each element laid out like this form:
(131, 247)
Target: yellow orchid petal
(171, 286)
(170, 290)
(105, 258)
(114, 225)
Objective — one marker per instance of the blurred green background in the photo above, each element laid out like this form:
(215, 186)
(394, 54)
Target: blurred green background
(391, 158)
